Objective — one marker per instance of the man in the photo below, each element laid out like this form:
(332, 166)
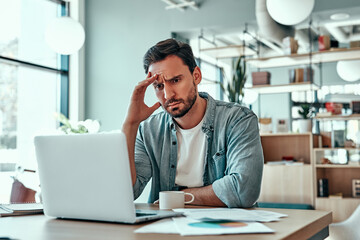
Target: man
(209, 148)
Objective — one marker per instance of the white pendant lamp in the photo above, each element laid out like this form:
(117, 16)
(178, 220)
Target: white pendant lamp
(65, 35)
(289, 12)
(349, 70)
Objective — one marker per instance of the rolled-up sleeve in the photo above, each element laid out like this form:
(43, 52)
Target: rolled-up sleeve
(240, 187)
(142, 165)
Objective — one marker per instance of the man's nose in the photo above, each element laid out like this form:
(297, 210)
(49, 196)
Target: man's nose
(168, 92)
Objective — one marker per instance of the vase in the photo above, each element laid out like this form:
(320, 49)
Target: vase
(304, 125)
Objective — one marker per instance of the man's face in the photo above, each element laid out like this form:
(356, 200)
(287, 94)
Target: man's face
(175, 86)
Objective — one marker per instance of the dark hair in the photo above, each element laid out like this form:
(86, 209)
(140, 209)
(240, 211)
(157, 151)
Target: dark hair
(167, 48)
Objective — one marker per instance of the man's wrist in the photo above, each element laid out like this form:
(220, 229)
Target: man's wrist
(130, 126)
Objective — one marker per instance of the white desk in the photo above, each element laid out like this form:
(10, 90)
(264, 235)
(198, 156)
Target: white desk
(301, 224)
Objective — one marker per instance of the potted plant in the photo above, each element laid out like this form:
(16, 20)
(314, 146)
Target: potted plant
(305, 112)
(235, 88)
(71, 127)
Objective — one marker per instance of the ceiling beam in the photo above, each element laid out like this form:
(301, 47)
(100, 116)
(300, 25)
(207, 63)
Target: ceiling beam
(180, 5)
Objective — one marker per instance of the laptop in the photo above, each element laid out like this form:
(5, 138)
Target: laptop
(87, 177)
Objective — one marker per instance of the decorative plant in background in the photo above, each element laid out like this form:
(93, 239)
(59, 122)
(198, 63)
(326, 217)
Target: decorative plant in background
(306, 111)
(68, 127)
(235, 88)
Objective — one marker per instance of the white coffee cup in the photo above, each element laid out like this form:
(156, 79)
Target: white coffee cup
(173, 199)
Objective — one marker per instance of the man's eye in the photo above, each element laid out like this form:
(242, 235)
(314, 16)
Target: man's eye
(159, 86)
(175, 80)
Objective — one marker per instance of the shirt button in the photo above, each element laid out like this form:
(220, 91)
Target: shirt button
(172, 166)
(174, 143)
(217, 154)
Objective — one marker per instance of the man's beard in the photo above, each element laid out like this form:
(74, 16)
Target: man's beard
(188, 103)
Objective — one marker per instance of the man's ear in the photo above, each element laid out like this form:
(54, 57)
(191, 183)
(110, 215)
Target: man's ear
(197, 75)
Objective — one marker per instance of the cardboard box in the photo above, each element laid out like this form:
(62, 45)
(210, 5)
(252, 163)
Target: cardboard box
(355, 44)
(290, 45)
(355, 106)
(324, 42)
(260, 78)
(301, 75)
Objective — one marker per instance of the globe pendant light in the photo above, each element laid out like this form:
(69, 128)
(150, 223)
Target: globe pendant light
(64, 35)
(349, 70)
(289, 12)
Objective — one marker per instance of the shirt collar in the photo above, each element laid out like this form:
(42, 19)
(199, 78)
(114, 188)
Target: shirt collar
(209, 118)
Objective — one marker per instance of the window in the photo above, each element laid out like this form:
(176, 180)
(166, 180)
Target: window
(33, 83)
(210, 75)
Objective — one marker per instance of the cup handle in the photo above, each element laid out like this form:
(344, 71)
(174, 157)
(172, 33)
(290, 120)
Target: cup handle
(156, 202)
(192, 198)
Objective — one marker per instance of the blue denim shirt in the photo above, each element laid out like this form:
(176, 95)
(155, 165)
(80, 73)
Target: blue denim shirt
(233, 162)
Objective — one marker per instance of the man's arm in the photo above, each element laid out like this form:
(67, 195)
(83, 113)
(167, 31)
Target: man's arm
(204, 196)
(138, 111)
(240, 186)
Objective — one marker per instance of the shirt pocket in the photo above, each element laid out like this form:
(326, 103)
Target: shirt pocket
(219, 159)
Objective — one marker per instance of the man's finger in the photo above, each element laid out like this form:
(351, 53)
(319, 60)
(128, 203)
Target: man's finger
(148, 81)
(155, 106)
(140, 89)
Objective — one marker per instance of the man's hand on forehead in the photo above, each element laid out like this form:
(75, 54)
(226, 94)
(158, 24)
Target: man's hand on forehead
(160, 76)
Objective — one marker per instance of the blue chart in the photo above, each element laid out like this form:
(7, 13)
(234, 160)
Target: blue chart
(218, 224)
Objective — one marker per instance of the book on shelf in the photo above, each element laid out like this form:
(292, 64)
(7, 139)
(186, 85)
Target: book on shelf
(17, 209)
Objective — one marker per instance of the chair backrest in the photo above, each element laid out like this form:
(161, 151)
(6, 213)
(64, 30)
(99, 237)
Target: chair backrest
(20, 193)
(348, 229)
(355, 216)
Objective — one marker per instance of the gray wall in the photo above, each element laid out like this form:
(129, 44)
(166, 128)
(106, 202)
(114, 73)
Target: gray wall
(119, 32)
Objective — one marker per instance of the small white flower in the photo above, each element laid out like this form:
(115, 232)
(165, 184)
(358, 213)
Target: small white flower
(73, 127)
(93, 126)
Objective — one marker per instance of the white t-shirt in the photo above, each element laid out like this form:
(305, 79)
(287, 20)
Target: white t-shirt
(191, 156)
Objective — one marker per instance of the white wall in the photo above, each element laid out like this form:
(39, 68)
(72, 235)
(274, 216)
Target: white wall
(118, 33)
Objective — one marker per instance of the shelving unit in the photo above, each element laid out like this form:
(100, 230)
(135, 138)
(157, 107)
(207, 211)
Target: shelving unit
(228, 51)
(284, 88)
(339, 177)
(301, 59)
(298, 184)
(287, 183)
(336, 166)
(339, 117)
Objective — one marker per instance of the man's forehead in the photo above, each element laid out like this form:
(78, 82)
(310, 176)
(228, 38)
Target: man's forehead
(170, 67)
(165, 75)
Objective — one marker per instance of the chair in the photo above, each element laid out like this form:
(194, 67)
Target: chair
(346, 230)
(20, 193)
